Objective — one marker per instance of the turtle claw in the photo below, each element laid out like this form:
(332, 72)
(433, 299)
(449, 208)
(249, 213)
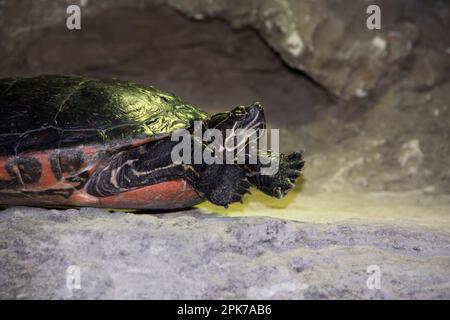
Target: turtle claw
(238, 197)
(291, 181)
(278, 193)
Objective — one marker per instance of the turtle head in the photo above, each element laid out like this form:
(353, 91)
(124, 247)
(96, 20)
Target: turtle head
(247, 118)
(240, 127)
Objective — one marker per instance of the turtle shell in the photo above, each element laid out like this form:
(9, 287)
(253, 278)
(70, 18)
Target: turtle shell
(57, 130)
(50, 112)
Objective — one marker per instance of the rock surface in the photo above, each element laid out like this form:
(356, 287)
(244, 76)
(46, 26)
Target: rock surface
(196, 256)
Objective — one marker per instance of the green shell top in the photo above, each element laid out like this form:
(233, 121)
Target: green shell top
(47, 112)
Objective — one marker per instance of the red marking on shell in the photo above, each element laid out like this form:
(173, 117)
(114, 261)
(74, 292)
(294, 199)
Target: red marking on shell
(166, 195)
(4, 175)
(78, 199)
(91, 151)
(81, 199)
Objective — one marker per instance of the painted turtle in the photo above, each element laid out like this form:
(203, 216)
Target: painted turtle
(74, 141)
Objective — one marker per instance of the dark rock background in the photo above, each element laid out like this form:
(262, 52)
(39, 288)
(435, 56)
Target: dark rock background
(370, 108)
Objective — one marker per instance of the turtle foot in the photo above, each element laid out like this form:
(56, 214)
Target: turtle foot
(280, 183)
(224, 184)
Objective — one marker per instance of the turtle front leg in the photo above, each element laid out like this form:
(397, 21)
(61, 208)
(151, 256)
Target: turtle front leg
(222, 184)
(281, 182)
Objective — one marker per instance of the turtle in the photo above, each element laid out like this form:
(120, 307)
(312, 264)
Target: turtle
(73, 141)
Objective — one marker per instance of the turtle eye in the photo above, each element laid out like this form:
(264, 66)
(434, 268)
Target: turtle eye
(239, 113)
